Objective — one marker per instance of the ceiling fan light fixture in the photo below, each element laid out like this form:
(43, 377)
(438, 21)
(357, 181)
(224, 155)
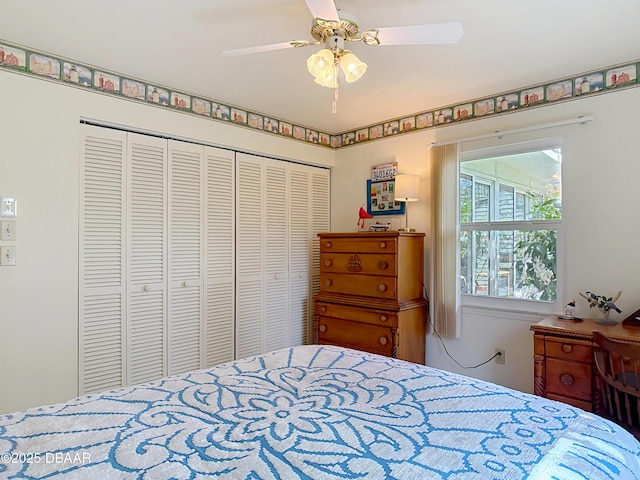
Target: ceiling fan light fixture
(319, 64)
(352, 67)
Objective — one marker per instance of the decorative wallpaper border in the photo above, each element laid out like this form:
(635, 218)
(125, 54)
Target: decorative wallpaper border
(39, 64)
(607, 79)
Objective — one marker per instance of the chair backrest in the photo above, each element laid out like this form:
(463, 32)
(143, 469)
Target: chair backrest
(618, 366)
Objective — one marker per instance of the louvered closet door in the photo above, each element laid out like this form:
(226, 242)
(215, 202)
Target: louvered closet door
(320, 220)
(147, 176)
(276, 232)
(185, 336)
(102, 267)
(219, 256)
(250, 254)
(299, 255)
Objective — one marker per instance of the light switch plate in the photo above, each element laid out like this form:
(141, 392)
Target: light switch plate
(7, 256)
(8, 207)
(8, 230)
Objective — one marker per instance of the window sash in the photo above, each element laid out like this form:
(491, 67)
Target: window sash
(515, 225)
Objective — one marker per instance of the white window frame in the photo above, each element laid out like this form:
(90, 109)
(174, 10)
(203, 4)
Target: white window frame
(512, 303)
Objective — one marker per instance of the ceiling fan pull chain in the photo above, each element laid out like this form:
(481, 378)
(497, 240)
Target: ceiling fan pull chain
(334, 106)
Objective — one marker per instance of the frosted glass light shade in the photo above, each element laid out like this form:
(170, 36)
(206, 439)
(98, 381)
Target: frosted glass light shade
(319, 64)
(328, 79)
(407, 188)
(352, 67)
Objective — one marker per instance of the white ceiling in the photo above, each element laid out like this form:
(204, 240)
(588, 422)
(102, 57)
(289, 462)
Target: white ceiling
(506, 45)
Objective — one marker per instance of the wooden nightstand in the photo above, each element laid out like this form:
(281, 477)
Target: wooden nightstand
(371, 293)
(563, 359)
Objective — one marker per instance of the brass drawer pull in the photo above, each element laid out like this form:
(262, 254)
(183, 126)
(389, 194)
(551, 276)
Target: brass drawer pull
(383, 340)
(327, 263)
(383, 318)
(566, 348)
(328, 244)
(382, 287)
(566, 379)
(383, 244)
(328, 282)
(383, 265)
(323, 328)
(323, 309)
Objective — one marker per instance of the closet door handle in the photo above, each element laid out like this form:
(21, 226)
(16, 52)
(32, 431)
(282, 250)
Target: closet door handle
(186, 283)
(147, 288)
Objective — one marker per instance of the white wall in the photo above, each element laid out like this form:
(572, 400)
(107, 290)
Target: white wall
(601, 169)
(39, 166)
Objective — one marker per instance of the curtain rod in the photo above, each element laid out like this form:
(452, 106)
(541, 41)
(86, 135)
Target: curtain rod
(498, 133)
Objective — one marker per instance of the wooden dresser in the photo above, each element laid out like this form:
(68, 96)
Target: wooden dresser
(563, 359)
(371, 293)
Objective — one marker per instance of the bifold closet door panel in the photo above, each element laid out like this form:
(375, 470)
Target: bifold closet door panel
(299, 255)
(219, 300)
(146, 259)
(102, 306)
(250, 255)
(308, 215)
(276, 261)
(186, 243)
(320, 220)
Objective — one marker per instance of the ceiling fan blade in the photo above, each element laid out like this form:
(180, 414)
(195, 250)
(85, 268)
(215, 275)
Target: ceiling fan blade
(264, 48)
(323, 9)
(436, 33)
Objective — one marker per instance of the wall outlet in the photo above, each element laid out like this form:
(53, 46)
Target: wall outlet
(500, 359)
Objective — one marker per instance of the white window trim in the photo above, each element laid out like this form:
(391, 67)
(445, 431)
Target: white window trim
(510, 303)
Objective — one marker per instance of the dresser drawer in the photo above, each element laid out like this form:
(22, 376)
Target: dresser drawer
(365, 285)
(568, 378)
(360, 245)
(365, 264)
(370, 338)
(569, 350)
(356, 314)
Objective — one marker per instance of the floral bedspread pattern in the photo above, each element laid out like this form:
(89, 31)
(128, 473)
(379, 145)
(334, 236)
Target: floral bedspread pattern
(314, 412)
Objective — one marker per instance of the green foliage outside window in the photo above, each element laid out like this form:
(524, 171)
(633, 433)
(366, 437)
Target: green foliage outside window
(536, 251)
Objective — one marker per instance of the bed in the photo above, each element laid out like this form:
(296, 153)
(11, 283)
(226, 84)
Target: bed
(314, 412)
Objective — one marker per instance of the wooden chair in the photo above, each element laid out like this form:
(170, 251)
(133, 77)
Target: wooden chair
(618, 367)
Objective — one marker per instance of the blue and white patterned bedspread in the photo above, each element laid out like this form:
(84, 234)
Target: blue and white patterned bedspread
(315, 413)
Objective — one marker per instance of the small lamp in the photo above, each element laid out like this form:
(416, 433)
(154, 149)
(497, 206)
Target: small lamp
(406, 190)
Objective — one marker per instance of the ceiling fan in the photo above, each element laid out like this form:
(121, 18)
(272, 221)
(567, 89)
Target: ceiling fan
(333, 29)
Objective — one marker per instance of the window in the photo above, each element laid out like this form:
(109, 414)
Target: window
(510, 213)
